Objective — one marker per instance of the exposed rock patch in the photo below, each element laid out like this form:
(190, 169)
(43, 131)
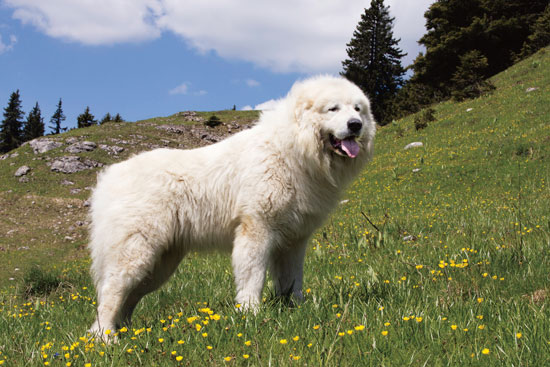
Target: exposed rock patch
(190, 116)
(416, 144)
(72, 164)
(111, 149)
(44, 145)
(22, 171)
(80, 147)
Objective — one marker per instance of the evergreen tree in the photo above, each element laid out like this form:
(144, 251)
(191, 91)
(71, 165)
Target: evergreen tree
(497, 29)
(11, 131)
(118, 118)
(86, 119)
(106, 118)
(34, 126)
(468, 79)
(540, 36)
(374, 62)
(57, 118)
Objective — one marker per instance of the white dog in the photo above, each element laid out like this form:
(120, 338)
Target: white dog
(259, 194)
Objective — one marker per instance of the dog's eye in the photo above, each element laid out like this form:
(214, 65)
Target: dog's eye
(357, 108)
(334, 108)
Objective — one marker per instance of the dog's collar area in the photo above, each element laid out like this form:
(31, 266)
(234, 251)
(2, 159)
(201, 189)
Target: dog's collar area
(347, 147)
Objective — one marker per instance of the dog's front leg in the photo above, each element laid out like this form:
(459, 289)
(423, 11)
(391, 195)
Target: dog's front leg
(250, 258)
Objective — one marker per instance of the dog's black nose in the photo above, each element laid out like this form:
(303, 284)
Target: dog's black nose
(355, 125)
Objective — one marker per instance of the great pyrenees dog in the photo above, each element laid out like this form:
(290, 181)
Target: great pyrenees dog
(258, 194)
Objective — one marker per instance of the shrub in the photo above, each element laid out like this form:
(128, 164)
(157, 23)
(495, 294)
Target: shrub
(469, 79)
(39, 282)
(421, 120)
(213, 121)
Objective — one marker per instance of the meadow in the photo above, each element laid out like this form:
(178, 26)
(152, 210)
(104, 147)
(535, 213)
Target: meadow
(437, 256)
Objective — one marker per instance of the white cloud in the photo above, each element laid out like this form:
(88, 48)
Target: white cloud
(9, 46)
(252, 83)
(91, 22)
(283, 36)
(267, 105)
(247, 108)
(183, 88)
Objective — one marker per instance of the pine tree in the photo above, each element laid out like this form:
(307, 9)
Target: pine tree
(106, 118)
(374, 62)
(497, 29)
(57, 118)
(540, 37)
(118, 118)
(468, 79)
(86, 119)
(34, 126)
(11, 132)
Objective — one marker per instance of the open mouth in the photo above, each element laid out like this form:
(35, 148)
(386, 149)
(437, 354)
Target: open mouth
(347, 147)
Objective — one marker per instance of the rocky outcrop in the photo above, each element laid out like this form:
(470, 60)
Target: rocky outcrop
(111, 149)
(72, 164)
(22, 171)
(44, 145)
(82, 146)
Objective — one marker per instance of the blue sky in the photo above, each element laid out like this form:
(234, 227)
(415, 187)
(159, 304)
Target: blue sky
(147, 58)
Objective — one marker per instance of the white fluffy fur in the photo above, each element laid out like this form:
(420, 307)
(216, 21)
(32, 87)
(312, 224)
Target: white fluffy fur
(259, 194)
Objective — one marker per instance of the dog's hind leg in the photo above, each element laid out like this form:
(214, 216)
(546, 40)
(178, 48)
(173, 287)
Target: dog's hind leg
(135, 270)
(163, 269)
(287, 268)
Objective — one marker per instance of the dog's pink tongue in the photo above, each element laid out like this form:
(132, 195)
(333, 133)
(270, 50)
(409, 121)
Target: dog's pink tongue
(351, 147)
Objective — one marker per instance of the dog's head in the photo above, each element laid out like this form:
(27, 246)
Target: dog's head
(334, 114)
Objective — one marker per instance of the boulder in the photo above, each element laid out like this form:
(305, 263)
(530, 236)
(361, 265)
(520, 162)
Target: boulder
(83, 146)
(175, 129)
(416, 144)
(43, 145)
(111, 149)
(22, 171)
(73, 164)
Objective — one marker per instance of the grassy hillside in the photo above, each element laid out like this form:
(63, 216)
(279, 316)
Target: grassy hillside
(438, 256)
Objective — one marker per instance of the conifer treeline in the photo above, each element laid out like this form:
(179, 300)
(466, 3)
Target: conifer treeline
(466, 42)
(15, 130)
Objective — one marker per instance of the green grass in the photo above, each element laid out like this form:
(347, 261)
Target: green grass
(455, 274)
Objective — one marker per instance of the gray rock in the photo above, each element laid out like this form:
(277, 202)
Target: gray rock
(72, 164)
(43, 145)
(416, 144)
(79, 147)
(22, 171)
(111, 149)
(190, 116)
(175, 129)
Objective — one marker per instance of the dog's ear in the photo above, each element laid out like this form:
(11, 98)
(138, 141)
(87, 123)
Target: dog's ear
(302, 105)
